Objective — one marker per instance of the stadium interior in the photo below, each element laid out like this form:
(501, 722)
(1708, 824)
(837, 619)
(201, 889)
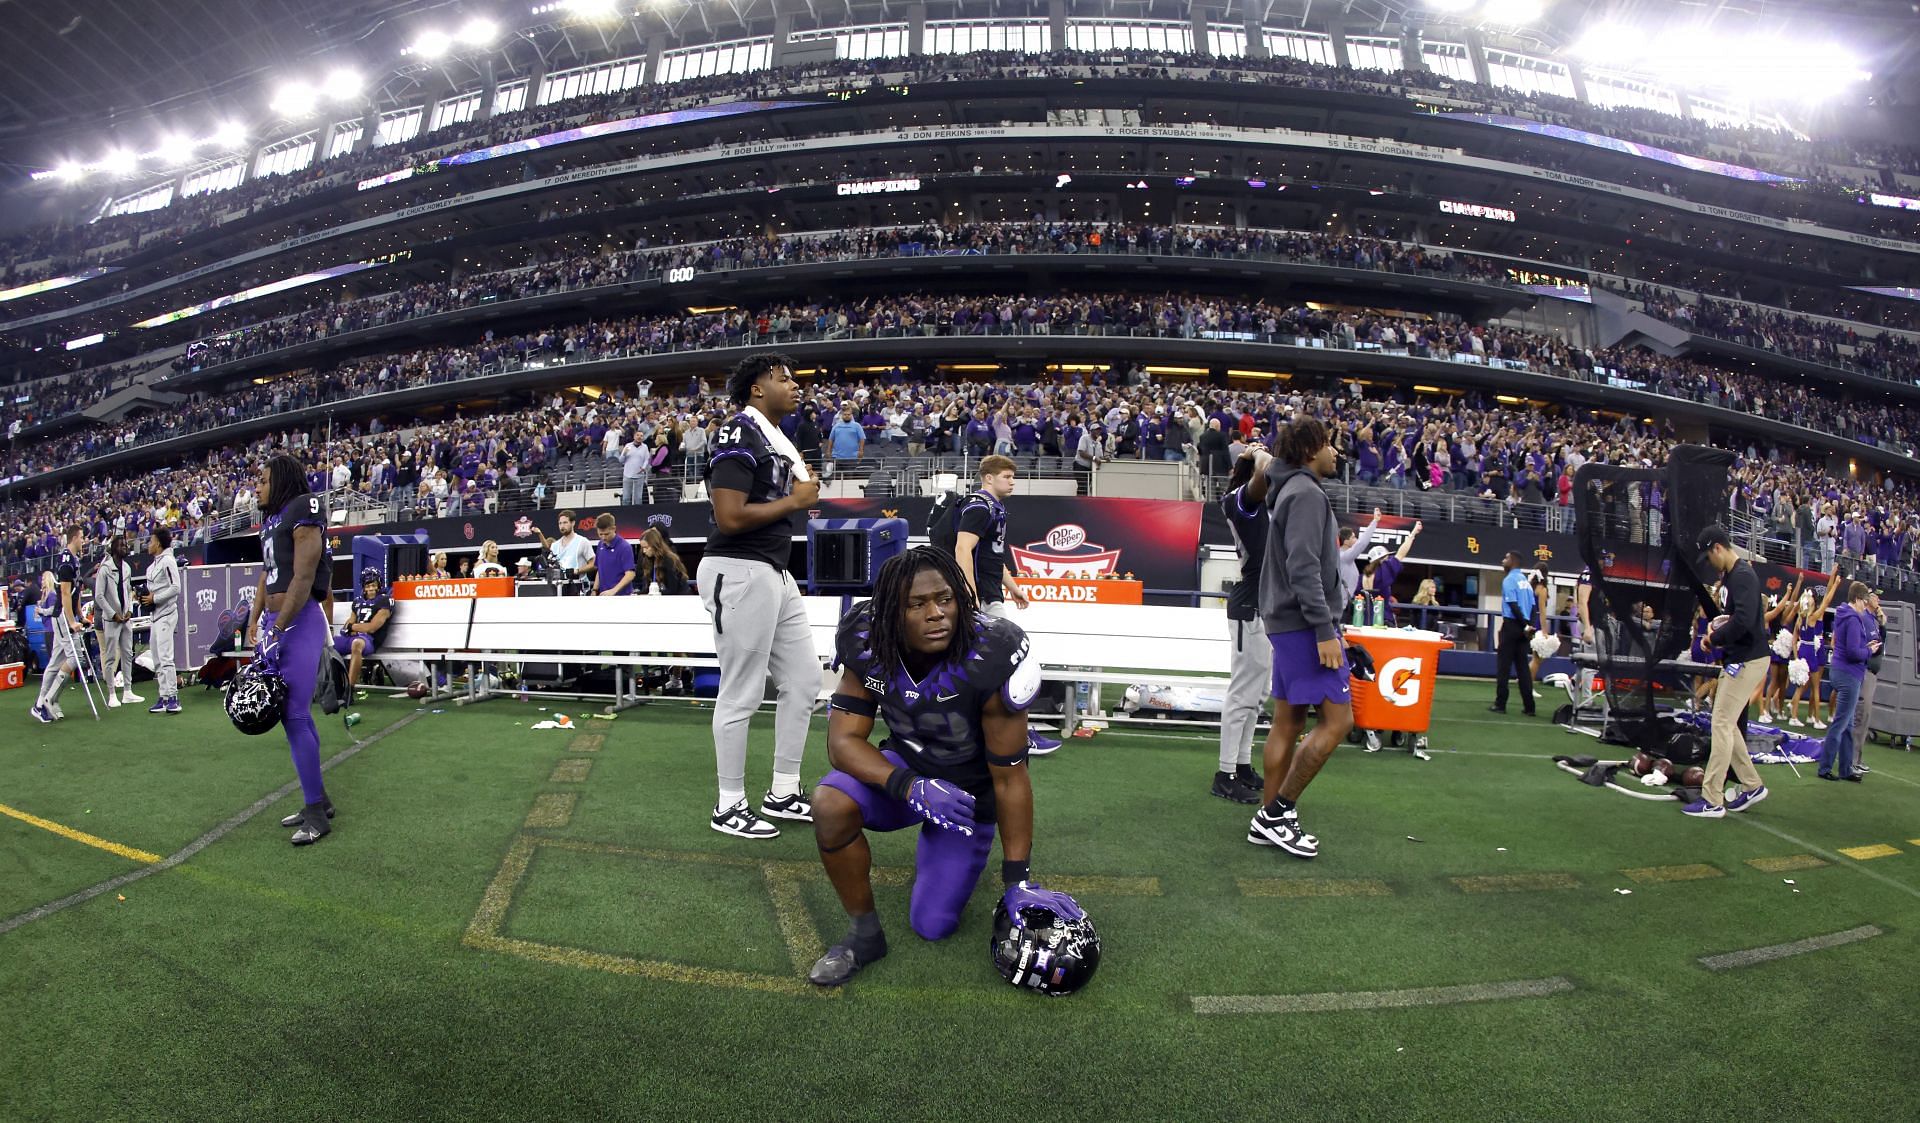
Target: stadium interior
(1576, 289)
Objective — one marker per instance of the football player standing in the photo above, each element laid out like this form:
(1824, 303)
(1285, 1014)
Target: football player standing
(288, 629)
(760, 489)
(1245, 505)
(954, 685)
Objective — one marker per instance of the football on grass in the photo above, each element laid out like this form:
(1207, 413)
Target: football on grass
(1693, 777)
(417, 690)
(1641, 764)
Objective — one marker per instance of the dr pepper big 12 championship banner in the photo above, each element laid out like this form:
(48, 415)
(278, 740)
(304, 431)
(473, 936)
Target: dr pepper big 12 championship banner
(1156, 541)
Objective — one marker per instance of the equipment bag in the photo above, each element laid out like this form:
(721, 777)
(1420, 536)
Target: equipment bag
(943, 522)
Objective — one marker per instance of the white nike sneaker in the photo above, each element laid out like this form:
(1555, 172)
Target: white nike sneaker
(1284, 832)
(113, 701)
(130, 698)
(740, 822)
(793, 807)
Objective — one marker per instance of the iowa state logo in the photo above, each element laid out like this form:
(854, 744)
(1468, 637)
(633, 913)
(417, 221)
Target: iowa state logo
(1066, 553)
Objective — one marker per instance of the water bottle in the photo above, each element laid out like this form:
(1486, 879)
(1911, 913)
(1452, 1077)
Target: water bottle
(1082, 700)
(237, 636)
(653, 589)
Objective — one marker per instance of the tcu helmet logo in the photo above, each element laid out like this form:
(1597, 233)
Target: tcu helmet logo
(1066, 553)
(1399, 680)
(205, 599)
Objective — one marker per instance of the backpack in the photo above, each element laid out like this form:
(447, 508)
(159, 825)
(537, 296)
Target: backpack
(943, 522)
(330, 691)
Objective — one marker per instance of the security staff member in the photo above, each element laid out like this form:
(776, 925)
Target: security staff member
(162, 598)
(1516, 625)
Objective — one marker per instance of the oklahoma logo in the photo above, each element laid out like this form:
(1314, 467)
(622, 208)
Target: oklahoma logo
(1066, 553)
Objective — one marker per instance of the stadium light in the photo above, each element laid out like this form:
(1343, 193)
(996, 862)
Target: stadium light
(294, 100)
(174, 148)
(119, 162)
(342, 84)
(228, 134)
(432, 44)
(71, 171)
(592, 9)
(1514, 12)
(478, 32)
(1610, 43)
(1450, 5)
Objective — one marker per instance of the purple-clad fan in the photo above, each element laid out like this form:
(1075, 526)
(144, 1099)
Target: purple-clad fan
(954, 685)
(288, 622)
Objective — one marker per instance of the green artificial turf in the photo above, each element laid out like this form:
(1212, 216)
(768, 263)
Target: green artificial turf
(640, 966)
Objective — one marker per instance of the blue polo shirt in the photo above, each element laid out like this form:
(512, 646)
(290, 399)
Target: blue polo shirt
(611, 561)
(1516, 597)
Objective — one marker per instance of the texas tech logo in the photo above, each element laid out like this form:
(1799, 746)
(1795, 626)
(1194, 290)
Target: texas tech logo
(1066, 553)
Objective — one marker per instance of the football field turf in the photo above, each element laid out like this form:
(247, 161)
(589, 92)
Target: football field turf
(529, 925)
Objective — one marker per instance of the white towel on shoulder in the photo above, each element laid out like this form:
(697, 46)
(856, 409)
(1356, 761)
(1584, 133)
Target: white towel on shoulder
(778, 442)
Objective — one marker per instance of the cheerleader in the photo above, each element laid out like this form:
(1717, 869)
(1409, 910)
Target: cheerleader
(1810, 625)
(1773, 691)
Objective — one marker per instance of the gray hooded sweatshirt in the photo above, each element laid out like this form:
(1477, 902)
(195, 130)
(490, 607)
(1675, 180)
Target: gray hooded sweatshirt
(1300, 582)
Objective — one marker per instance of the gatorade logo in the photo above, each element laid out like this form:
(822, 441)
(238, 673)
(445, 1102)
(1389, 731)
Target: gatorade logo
(1399, 680)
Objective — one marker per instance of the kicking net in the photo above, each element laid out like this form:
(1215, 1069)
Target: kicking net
(1637, 529)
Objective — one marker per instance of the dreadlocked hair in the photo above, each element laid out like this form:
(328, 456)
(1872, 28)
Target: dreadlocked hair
(890, 591)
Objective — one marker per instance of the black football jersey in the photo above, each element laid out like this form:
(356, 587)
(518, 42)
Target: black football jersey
(365, 610)
(985, 517)
(1249, 529)
(67, 571)
(276, 545)
(933, 722)
(743, 461)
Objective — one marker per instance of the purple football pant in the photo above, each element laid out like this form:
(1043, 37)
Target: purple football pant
(343, 643)
(300, 644)
(946, 864)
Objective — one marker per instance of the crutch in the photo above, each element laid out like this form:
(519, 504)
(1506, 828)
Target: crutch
(82, 663)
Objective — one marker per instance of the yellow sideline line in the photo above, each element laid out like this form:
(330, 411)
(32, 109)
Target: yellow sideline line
(80, 836)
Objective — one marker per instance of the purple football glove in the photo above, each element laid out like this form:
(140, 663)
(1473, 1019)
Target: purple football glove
(1029, 895)
(266, 653)
(942, 804)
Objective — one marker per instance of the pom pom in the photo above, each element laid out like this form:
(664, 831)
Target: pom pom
(1797, 672)
(1783, 644)
(1545, 646)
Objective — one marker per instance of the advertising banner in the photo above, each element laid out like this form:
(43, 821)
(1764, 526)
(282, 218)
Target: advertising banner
(463, 588)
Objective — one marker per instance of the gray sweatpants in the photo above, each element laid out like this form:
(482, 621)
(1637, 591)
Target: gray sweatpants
(759, 626)
(116, 655)
(165, 675)
(1247, 691)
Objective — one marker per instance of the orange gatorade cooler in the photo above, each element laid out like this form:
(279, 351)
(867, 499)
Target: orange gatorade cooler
(1405, 664)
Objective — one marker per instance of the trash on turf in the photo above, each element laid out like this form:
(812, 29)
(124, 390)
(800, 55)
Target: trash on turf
(1788, 880)
(1624, 892)
(1410, 838)
(120, 896)
(558, 721)
(604, 717)
(1499, 850)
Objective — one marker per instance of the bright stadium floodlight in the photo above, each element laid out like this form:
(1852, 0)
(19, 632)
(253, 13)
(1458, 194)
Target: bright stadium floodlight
(173, 148)
(342, 84)
(592, 9)
(72, 171)
(1514, 12)
(119, 161)
(294, 100)
(1611, 43)
(228, 134)
(1449, 5)
(478, 32)
(432, 44)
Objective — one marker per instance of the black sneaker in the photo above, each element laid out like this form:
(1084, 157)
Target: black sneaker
(300, 816)
(740, 822)
(1246, 775)
(1226, 785)
(313, 826)
(793, 807)
(844, 960)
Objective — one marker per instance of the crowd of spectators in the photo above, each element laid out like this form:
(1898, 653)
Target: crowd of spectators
(1164, 315)
(1514, 459)
(612, 268)
(1886, 354)
(40, 253)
